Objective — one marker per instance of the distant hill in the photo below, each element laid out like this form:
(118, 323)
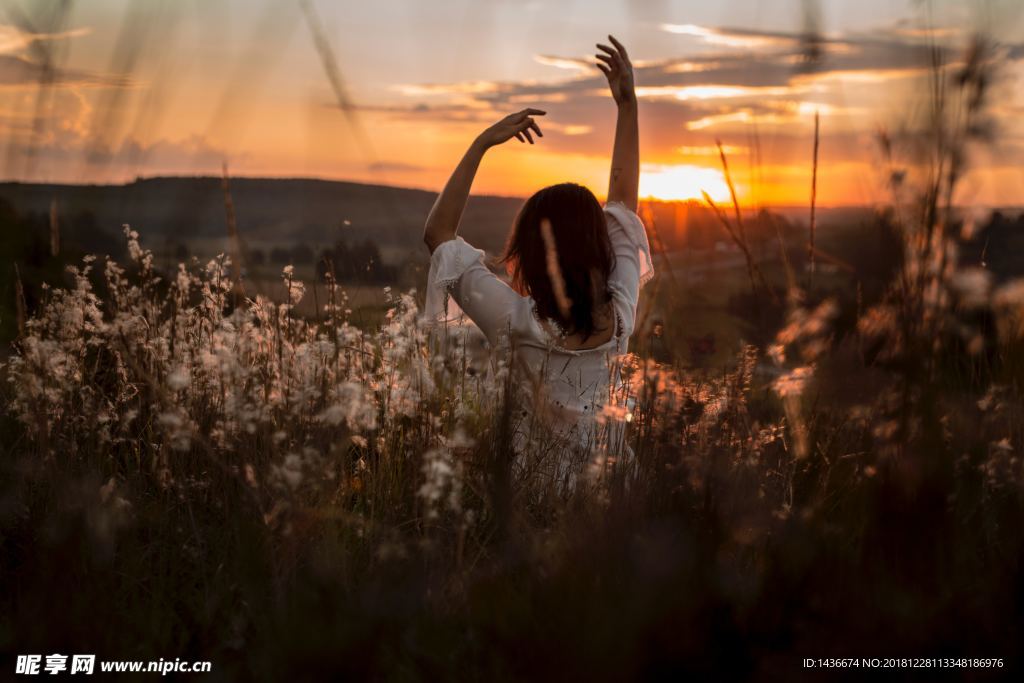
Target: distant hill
(268, 210)
(272, 211)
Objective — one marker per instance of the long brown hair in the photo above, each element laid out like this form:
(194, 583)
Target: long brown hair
(558, 252)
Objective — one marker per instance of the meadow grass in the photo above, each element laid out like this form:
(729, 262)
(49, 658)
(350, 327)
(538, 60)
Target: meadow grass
(237, 483)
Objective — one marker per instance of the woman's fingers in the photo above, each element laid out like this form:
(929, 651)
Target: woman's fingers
(619, 47)
(606, 65)
(612, 53)
(521, 115)
(518, 126)
(527, 125)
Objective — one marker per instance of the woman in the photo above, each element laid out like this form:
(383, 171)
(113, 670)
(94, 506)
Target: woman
(575, 269)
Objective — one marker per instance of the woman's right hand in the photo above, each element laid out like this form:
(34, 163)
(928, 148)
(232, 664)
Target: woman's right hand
(516, 125)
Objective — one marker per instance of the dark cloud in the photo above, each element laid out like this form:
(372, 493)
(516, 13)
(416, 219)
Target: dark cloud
(394, 167)
(422, 111)
(764, 77)
(126, 159)
(194, 150)
(781, 65)
(20, 71)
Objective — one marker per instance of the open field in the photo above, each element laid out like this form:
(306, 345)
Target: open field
(229, 435)
(328, 486)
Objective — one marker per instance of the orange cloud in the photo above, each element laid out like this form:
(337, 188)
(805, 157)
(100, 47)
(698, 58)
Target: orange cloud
(729, 37)
(14, 39)
(570, 63)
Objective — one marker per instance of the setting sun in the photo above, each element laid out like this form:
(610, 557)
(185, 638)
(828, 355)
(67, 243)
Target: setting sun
(682, 182)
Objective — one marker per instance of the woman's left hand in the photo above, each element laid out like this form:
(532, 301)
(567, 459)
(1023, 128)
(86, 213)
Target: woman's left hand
(516, 126)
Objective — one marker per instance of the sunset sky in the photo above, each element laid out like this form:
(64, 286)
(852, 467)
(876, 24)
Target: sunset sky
(179, 86)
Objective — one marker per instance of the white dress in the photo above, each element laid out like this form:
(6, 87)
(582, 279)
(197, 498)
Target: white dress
(567, 389)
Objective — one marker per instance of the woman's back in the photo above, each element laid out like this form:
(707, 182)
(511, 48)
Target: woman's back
(565, 379)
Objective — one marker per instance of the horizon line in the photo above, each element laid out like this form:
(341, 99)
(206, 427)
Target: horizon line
(173, 176)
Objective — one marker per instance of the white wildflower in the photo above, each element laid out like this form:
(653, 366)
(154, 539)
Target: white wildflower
(972, 285)
(442, 481)
(794, 382)
(178, 379)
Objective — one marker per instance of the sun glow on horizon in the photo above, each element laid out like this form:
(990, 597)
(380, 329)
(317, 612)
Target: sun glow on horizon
(682, 182)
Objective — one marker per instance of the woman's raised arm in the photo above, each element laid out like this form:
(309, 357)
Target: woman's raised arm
(623, 185)
(443, 221)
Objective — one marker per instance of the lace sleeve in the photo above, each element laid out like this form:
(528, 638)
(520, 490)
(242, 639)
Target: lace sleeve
(447, 264)
(626, 231)
(633, 267)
